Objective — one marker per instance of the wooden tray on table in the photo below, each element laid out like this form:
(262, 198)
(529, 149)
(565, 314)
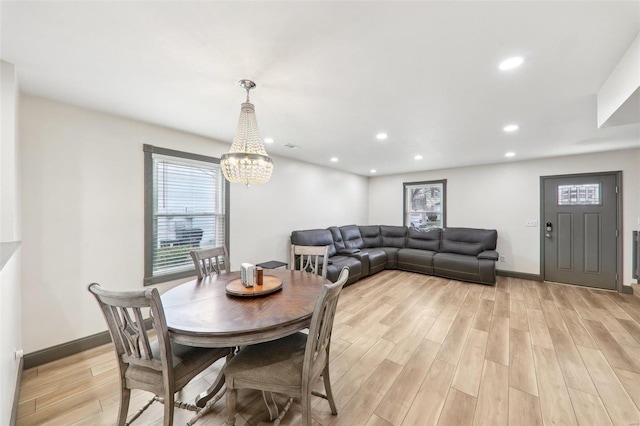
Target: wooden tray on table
(270, 284)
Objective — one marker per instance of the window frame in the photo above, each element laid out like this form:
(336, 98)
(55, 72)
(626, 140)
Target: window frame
(149, 151)
(428, 183)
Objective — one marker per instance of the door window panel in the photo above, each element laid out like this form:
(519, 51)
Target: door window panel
(588, 194)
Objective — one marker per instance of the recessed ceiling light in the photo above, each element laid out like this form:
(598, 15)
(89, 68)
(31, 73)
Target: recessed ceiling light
(511, 63)
(418, 157)
(510, 128)
(381, 136)
(268, 140)
(373, 170)
(334, 159)
(510, 154)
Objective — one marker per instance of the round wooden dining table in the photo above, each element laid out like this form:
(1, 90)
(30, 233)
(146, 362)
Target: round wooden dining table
(201, 313)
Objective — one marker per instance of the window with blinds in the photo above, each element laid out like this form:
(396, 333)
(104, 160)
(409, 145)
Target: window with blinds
(186, 207)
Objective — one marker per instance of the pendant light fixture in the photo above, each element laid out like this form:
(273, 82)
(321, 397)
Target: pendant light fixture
(247, 161)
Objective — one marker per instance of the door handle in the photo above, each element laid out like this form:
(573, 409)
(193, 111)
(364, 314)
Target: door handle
(547, 235)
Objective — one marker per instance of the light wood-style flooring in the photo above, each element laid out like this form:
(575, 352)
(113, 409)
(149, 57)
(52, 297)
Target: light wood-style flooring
(410, 349)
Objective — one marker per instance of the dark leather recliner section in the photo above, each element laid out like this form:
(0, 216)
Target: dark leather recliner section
(421, 246)
(373, 259)
(393, 239)
(465, 254)
(371, 242)
(336, 261)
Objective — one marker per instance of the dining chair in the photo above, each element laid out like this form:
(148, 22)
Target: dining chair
(159, 366)
(289, 365)
(207, 261)
(310, 258)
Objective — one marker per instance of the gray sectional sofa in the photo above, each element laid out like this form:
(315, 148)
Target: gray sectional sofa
(465, 254)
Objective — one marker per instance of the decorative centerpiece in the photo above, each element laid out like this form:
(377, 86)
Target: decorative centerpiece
(247, 274)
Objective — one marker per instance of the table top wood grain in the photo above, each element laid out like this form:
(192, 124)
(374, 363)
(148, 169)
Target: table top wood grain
(201, 313)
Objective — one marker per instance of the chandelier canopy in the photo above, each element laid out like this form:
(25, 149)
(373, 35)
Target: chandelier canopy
(247, 160)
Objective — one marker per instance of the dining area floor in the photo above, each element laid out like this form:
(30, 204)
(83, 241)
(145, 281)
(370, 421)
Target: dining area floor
(411, 349)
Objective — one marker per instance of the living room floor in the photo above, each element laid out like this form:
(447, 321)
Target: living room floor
(411, 349)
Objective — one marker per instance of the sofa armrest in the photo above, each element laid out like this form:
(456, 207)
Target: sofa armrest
(488, 254)
(349, 252)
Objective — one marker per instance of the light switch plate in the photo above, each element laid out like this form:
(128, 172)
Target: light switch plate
(532, 223)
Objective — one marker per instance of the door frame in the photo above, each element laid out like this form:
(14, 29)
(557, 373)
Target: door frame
(619, 254)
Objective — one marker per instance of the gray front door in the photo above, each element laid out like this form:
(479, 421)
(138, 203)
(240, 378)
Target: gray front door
(580, 229)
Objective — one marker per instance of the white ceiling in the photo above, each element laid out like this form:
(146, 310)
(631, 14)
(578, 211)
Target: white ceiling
(331, 75)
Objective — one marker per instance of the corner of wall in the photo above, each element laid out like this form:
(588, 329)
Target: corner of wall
(10, 232)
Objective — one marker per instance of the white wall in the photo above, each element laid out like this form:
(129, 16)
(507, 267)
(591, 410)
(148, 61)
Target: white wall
(10, 328)
(83, 211)
(9, 164)
(505, 196)
(299, 196)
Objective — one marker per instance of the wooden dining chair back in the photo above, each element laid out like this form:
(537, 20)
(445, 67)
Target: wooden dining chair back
(290, 365)
(208, 261)
(154, 365)
(310, 259)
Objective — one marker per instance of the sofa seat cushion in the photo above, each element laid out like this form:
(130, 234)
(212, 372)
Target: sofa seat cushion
(416, 260)
(377, 259)
(339, 262)
(464, 268)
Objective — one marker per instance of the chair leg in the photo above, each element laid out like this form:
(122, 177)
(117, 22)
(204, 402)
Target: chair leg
(168, 408)
(232, 397)
(306, 409)
(125, 396)
(327, 389)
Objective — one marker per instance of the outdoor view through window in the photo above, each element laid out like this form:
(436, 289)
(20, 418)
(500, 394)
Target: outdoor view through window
(188, 211)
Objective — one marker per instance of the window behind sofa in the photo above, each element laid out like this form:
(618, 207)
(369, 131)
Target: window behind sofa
(425, 204)
(186, 208)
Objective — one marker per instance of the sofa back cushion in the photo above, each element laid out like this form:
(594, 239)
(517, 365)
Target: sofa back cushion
(338, 242)
(424, 239)
(468, 241)
(351, 237)
(314, 237)
(371, 236)
(393, 236)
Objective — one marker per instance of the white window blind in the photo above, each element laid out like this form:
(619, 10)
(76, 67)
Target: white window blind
(187, 213)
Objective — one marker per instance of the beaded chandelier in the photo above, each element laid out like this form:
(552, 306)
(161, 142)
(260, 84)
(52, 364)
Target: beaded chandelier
(247, 161)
